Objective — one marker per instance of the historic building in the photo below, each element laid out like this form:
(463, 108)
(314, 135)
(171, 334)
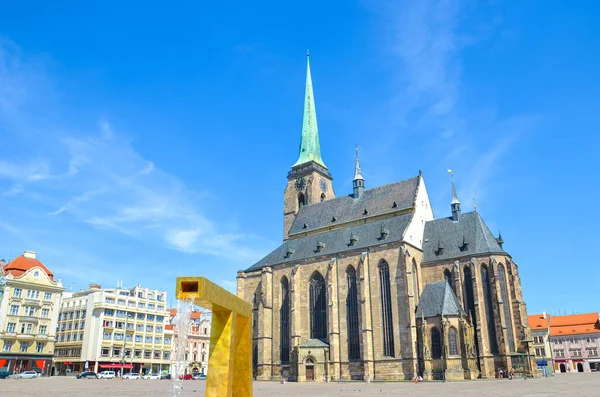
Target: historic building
(198, 339)
(540, 330)
(575, 341)
(371, 286)
(28, 315)
(113, 329)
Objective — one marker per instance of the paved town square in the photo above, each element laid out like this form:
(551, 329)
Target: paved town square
(560, 385)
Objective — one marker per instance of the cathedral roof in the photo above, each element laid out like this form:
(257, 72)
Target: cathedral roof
(439, 299)
(377, 201)
(357, 237)
(447, 239)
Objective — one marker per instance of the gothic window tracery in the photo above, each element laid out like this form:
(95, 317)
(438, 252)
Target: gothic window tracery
(386, 308)
(352, 315)
(489, 309)
(415, 277)
(452, 342)
(436, 343)
(469, 299)
(284, 315)
(506, 304)
(318, 307)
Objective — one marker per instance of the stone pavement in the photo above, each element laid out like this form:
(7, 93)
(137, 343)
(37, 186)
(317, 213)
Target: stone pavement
(582, 385)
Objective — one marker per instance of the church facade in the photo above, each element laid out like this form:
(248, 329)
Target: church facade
(371, 286)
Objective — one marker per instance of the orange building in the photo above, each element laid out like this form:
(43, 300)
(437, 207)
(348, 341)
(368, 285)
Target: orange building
(575, 341)
(540, 331)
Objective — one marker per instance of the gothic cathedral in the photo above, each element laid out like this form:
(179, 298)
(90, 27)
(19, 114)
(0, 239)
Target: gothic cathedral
(370, 286)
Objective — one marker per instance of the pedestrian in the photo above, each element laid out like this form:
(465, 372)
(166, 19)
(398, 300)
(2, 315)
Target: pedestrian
(512, 373)
(118, 373)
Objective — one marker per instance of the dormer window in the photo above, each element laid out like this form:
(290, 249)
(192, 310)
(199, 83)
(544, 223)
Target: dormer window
(365, 212)
(395, 205)
(305, 226)
(383, 234)
(440, 250)
(333, 219)
(465, 246)
(353, 239)
(320, 246)
(289, 253)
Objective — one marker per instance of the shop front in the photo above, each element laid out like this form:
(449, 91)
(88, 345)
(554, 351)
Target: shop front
(16, 364)
(594, 365)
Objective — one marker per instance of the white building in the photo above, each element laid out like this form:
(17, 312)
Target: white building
(198, 348)
(115, 328)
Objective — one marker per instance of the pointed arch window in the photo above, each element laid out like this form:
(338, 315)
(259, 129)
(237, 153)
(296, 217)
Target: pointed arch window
(452, 342)
(449, 277)
(301, 200)
(318, 307)
(284, 316)
(323, 197)
(386, 309)
(436, 343)
(506, 304)
(415, 279)
(469, 301)
(489, 309)
(352, 315)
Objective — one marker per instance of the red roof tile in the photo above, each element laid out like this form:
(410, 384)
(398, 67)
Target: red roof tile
(21, 264)
(575, 324)
(537, 321)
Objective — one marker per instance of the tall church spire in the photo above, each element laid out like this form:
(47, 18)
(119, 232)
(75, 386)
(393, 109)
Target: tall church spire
(310, 149)
(358, 183)
(455, 204)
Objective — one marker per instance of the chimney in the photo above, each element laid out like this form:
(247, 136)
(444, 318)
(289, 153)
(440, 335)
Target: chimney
(29, 254)
(544, 315)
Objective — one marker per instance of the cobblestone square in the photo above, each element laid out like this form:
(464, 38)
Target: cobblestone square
(561, 385)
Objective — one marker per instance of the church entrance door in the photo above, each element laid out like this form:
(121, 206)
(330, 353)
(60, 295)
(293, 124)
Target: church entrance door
(310, 370)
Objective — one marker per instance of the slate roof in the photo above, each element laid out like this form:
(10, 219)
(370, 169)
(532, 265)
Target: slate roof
(376, 201)
(314, 343)
(439, 299)
(449, 234)
(337, 241)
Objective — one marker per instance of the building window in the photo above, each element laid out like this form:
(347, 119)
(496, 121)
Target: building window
(8, 344)
(127, 353)
(107, 336)
(318, 307)
(29, 329)
(138, 338)
(452, 342)
(158, 340)
(159, 328)
(109, 312)
(449, 279)
(24, 346)
(118, 336)
(301, 200)
(386, 309)
(137, 354)
(141, 316)
(149, 328)
(148, 354)
(284, 315)
(150, 317)
(109, 300)
(17, 292)
(157, 355)
(33, 294)
(352, 315)
(167, 340)
(39, 347)
(489, 309)
(415, 280)
(10, 327)
(43, 329)
(150, 306)
(436, 343)
(148, 339)
(116, 352)
(14, 310)
(593, 352)
(166, 355)
(506, 304)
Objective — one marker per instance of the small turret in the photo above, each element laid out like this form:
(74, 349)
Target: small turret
(455, 204)
(499, 240)
(358, 184)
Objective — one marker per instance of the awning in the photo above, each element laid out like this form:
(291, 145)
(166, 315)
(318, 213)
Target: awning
(115, 365)
(593, 360)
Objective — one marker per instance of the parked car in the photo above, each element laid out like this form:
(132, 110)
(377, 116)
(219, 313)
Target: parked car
(198, 376)
(165, 377)
(106, 375)
(131, 375)
(185, 377)
(87, 375)
(27, 375)
(153, 376)
(5, 374)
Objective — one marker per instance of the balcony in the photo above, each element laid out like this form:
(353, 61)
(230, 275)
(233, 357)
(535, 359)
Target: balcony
(9, 335)
(26, 336)
(41, 337)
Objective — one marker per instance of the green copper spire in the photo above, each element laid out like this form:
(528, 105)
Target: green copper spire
(310, 149)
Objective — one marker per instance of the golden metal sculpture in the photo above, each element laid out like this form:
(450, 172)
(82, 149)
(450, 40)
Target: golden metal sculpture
(229, 361)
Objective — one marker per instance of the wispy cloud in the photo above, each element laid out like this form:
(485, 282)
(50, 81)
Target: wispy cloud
(99, 180)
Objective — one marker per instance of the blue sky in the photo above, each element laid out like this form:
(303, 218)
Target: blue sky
(144, 141)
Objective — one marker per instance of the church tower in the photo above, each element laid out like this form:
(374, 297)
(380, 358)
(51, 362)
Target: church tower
(309, 181)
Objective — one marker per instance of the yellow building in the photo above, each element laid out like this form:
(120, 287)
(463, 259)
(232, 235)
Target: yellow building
(28, 315)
